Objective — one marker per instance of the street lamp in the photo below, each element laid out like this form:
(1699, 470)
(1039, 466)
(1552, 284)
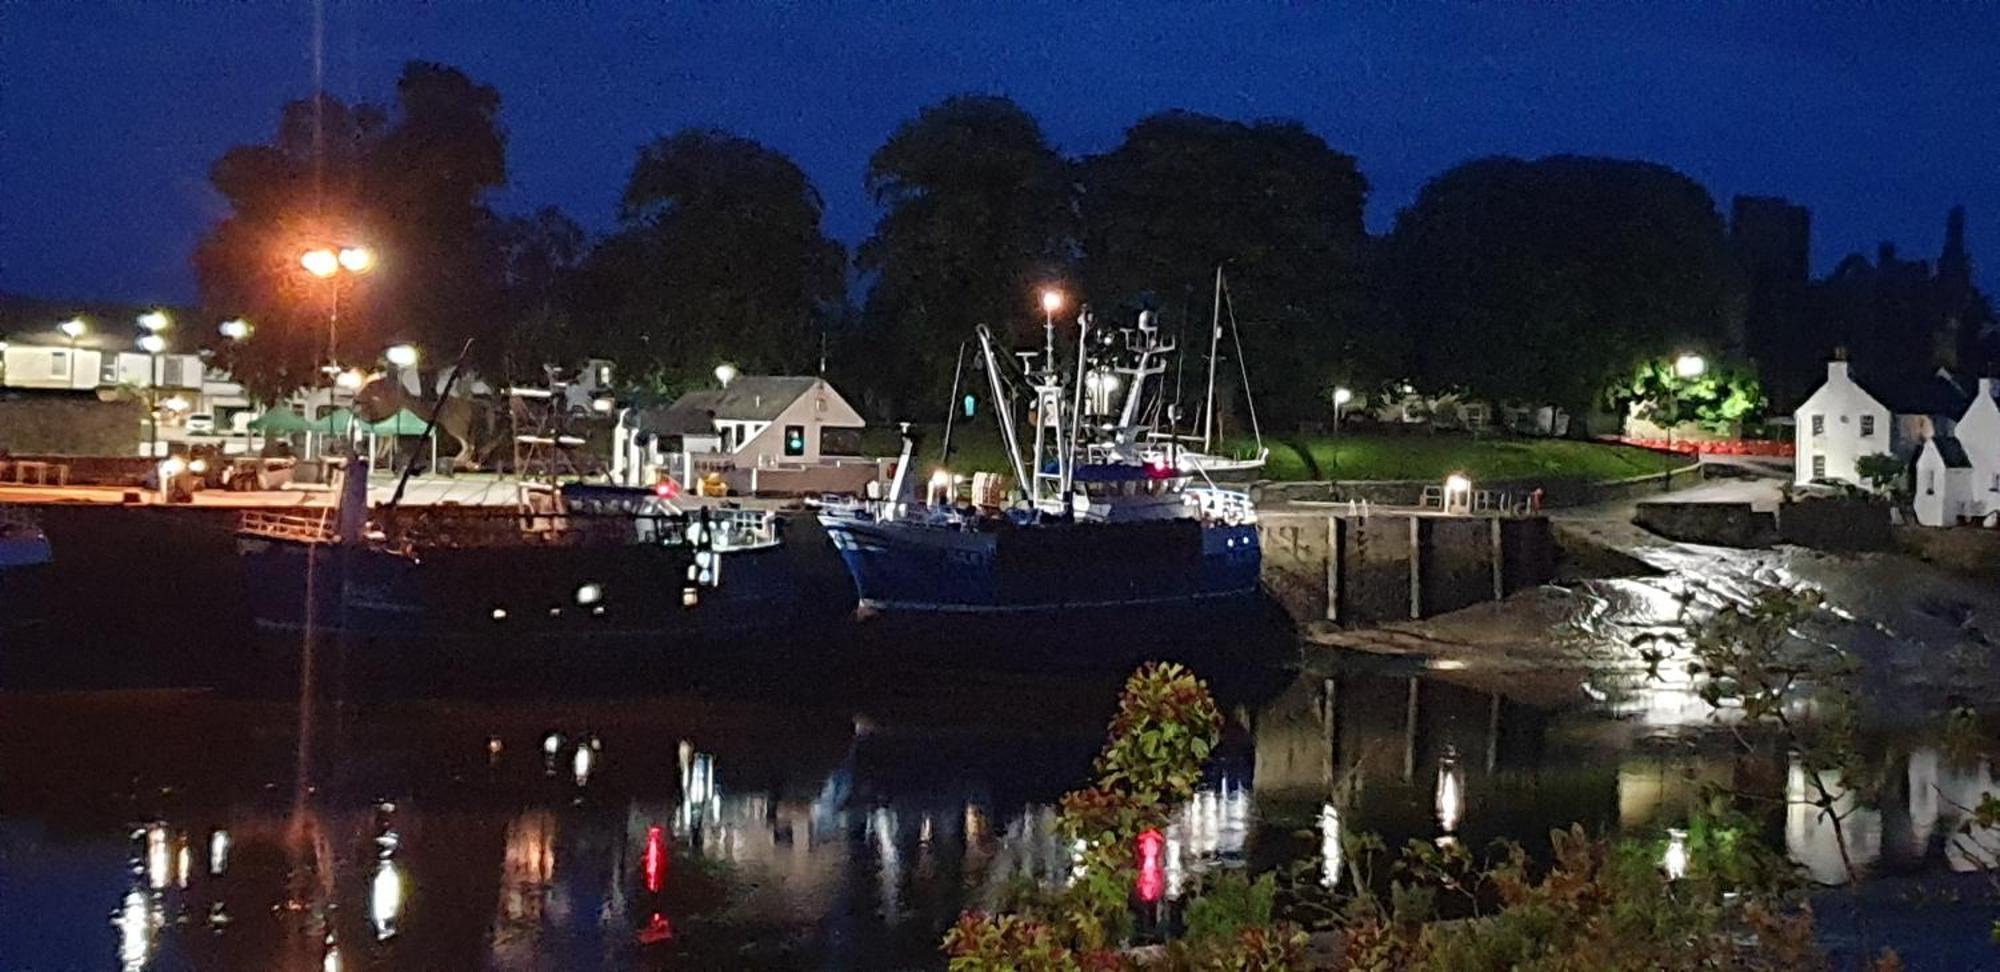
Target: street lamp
(235, 329)
(1052, 301)
(320, 263)
(1341, 396)
(1690, 365)
(73, 328)
(151, 342)
(725, 373)
(402, 355)
(356, 259)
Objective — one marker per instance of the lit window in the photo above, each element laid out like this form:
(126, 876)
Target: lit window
(1819, 425)
(1867, 425)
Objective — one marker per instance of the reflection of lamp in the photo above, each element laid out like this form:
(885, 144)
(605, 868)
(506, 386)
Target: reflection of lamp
(1330, 851)
(1450, 794)
(1675, 861)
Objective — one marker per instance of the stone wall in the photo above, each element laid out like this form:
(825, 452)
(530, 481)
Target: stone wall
(1325, 565)
(1407, 492)
(1836, 523)
(1720, 524)
(70, 425)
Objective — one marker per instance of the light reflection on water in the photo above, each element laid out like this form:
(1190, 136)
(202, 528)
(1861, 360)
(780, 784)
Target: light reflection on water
(827, 841)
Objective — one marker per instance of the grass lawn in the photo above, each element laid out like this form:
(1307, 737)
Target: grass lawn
(1360, 457)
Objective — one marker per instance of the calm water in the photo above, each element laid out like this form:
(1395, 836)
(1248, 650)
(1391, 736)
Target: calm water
(830, 802)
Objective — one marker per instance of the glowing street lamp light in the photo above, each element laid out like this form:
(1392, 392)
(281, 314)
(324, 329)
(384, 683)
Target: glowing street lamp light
(235, 329)
(152, 343)
(1341, 396)
(1052, 301)
(356, 259)
(155, 321)
(725, 373)
(1457, 493)
(320, 263)
(402, 355)
(1690, 365)
(350, 379)
(73, 328)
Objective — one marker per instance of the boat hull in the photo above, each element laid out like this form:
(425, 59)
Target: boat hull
(1064, 567)
(512, 594)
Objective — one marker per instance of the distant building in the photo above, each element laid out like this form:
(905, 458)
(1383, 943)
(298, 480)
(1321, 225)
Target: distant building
(1944, 482)
(762, 429)
(1845, 420)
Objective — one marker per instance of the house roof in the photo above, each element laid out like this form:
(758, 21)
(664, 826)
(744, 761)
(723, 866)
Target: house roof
(749, 398)
(1930, 394)
(1952, 451)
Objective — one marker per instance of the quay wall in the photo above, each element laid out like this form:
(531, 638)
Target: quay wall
(1407, 492)
(1332, 566)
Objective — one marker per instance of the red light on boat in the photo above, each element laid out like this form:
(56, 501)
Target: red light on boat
(1152, 872)
(656, 858)
(666, 489)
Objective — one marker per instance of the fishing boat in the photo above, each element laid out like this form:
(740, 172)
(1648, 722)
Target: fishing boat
(569, 562)
(1107, 517)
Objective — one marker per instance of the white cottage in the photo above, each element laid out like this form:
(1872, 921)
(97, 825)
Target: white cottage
(1845, 420)
(761, 421)
(1944, 483)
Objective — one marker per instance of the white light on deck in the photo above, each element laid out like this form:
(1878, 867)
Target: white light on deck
(499, 614)
(589, 594)
(581, 763)
(551, 743)
(156, 856)
(218, 852)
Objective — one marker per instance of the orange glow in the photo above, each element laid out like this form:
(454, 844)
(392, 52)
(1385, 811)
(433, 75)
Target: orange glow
(320, 263)
(1052, 301)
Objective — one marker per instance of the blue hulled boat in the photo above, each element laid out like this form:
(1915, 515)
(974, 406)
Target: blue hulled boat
(1106, 518)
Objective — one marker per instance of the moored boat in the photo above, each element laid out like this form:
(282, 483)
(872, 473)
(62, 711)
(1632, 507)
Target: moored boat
(1107, 518)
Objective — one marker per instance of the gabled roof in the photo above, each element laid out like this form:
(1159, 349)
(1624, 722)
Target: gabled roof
(749, 398)
(1952, 452)
(1930, 394)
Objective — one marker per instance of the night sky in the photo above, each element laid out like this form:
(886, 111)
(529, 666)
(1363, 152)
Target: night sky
(111, 112)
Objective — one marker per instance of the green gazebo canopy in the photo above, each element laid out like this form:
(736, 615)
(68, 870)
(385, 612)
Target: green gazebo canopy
(336, 422)
(404, 422)
(280, 420)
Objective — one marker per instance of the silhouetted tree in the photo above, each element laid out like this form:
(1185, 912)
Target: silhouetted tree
(409, 186)
(977, 217)
(721, 258)
(1272, 203)
(542, 255)
(1544, 281)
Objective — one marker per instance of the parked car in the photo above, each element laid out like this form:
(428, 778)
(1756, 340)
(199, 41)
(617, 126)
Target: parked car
(201, 424)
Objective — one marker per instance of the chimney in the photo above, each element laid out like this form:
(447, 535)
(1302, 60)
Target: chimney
(1836, 370)
(1986, 388)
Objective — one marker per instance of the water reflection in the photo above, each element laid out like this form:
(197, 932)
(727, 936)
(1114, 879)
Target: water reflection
(813, 838)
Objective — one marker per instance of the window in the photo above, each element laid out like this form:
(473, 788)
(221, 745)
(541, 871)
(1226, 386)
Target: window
(59, 365)
(1996, 482)
(1867, 426)
(795, 440)
(1819, 466)
(1819, 425)
(1930, 481)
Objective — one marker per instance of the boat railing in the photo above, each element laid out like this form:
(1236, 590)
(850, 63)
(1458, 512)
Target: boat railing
(1228, 506)
(316, 527)
(738, 529)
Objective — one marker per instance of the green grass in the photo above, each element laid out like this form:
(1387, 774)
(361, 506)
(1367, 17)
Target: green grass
(1354, 457)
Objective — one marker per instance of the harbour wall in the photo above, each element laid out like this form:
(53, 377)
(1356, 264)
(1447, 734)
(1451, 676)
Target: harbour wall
(1352, 568)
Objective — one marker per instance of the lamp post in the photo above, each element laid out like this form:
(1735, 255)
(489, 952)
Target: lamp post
(1341, 396)
(73, 328)
(153, 343)
(725, 373)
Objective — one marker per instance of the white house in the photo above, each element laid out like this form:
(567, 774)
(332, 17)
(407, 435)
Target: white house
(1845, 420)
(1978, 434)
(1944, 483)
(758, 422)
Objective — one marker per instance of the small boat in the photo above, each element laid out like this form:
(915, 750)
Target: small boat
(1108, 519)
(575, 562)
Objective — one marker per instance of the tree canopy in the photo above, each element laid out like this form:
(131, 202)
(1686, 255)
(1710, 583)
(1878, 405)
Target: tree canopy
(720, 257)
(1270, 202)
(977, 217)
(409, 185)
(1546, 280)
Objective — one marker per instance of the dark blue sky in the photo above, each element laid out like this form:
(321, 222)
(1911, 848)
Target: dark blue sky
(1879, 120)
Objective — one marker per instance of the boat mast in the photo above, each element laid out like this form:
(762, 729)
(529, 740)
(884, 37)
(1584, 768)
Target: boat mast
(1003, 408)
(1214, 342)
(1076, 410)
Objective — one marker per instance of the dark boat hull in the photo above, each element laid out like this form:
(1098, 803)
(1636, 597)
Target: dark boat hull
(528, 593)
(1057, 568)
